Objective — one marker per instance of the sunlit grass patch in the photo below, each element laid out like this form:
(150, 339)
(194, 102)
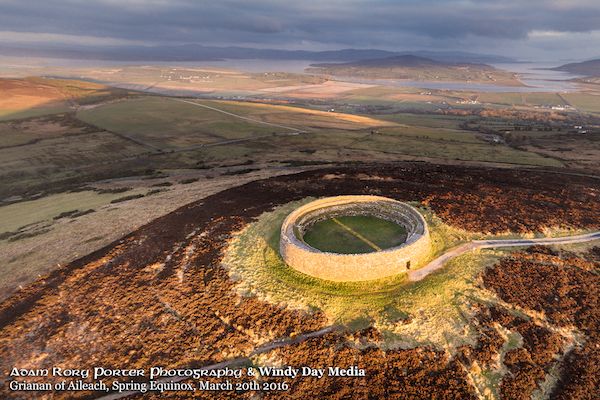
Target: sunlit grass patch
(355, 234)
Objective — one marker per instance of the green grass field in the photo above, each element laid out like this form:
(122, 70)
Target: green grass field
(168, 124)
(20, 215)
(58, 158)
(171, 124)
(298, 117)
(354, 234)
(43, 153)
(447, 144)
(584, 101)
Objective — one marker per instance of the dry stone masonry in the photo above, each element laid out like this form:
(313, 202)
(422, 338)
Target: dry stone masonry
(354, 267)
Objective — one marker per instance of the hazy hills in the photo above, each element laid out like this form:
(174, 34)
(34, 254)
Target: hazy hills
(415, 68)
(408, 61)
(194, 52)
(587, 68)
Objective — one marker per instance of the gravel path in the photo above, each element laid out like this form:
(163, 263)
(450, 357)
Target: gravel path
(439, 262)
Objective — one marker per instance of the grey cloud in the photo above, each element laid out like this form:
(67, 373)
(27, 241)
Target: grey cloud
(383, 23)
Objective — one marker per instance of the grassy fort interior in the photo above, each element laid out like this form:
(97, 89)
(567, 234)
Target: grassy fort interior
(354, 234)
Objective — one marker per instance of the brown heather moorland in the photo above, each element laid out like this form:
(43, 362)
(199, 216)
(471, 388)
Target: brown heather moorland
(159, 296)
(566, 289)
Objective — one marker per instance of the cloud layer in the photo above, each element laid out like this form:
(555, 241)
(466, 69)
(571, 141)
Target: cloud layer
(508, 25)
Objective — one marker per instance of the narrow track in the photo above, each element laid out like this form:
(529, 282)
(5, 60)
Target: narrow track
(258, 121)
(439, 262)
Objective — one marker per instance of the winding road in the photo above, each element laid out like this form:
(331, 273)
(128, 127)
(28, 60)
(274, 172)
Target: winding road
(439, 262)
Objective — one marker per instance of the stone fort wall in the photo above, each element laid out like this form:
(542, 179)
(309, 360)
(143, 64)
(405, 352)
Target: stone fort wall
(354, 267)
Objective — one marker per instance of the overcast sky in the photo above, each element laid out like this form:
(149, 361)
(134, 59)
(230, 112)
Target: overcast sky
(528, 29)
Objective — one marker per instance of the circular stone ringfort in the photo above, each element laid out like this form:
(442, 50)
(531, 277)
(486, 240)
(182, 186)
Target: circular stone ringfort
(354, 238)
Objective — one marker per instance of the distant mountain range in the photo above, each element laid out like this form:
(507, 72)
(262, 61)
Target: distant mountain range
(405, 61)
(587, 68)
(194, 52)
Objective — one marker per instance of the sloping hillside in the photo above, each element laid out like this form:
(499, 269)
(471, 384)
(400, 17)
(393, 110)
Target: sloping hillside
(416, 68)
(587, 68)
